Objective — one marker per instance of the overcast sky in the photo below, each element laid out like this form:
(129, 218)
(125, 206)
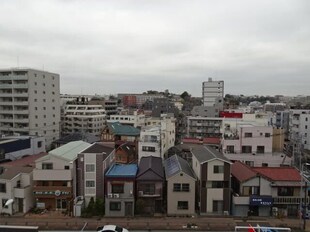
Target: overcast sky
(106, 47)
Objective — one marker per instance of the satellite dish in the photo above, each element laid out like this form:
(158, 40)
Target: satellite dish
(8, 202)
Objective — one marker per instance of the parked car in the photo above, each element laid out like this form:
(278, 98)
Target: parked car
(111, 228)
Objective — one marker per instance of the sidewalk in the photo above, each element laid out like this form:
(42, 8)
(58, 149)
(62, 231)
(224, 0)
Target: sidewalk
(57, 221)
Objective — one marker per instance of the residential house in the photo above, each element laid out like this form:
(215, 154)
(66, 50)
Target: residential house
(53, 177)
(213, 172)
(16, 185)
(266, 191)
(150, 183)
(120, 190)
(89, 169)
(126, 154)
(181, 187)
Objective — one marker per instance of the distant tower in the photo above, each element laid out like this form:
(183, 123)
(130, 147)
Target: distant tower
(213, 93)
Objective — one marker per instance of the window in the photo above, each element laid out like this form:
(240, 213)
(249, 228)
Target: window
(67, 167)
(2, 188)
(39, 144)
(218, 169)
(35, 92)
(230, 149)
(151, 149)
(246, 149)
(35, 83)
(251, 190)
(47, 165)
(117, 188)
(218, 184)
(35, 100)
(182, 204)
(3, 203)
(267, 135)
(260, 149)
(247, 135)
(306, 127)
(115, 206)
(250, 163)
(147, 189)
(36, 116)
(90, 168)
(285, 191)
(90, 184)
(264, 164)
(18, 184)
(177, 187)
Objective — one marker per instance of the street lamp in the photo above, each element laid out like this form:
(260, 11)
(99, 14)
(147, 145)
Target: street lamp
(303, 178)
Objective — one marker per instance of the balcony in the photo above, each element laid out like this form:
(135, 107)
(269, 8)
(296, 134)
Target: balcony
(149, 194)
(6, 103)
(19, 192)
(5, 94)
(21, 111)
(6, 86)
(6, 119)
(20, 86)
(21, 120)
(20, 103)
(52, 174)
(288, 200)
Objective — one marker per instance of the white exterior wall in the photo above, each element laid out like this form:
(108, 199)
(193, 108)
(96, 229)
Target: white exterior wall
(258, 139)
(212, 90)
(214, 194)
(25, 192)
(57, 173)
(136, 120)
(84, 118)
(89, 158)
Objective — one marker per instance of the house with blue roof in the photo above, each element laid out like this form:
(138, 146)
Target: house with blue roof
(120, 190)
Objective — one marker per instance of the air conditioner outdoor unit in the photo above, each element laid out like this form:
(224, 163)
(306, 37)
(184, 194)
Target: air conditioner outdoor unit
(116, 195)
(140, 193)
(110, 195)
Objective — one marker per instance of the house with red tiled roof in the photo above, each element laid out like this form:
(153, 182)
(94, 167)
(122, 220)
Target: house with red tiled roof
(265, 191)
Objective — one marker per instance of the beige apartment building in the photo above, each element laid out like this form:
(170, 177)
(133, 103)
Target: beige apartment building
(29, 103)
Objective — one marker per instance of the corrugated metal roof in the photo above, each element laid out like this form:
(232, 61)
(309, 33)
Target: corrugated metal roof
(122, 170)
(70, 150)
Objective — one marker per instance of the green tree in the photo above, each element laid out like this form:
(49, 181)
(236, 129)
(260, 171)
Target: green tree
(184, 95)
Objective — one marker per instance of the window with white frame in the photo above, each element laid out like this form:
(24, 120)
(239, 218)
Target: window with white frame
(90, 167)
(90, 184)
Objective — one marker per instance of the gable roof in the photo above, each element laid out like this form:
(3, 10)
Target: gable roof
(10, 172)
(98, 148)
(242, 172)
(129, 149)
(175, 164)
(279, 173)
(118, 129)
(122, 170)
(151, 168)
(206, 153)
(28, 161)
(70, 150)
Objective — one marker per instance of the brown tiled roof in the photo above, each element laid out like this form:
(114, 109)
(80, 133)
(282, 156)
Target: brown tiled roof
(11, 172)
(242, 172)
(279, 173)
(26, 161)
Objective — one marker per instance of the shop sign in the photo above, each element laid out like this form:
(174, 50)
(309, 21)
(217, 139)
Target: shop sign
(56, 193)
(261, 200)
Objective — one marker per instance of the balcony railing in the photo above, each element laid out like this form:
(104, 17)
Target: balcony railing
(289, 200)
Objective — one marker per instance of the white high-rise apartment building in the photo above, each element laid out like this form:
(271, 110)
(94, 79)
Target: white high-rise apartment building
(213, 93)
(299, 127)
(84, 118)
(29, 103)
